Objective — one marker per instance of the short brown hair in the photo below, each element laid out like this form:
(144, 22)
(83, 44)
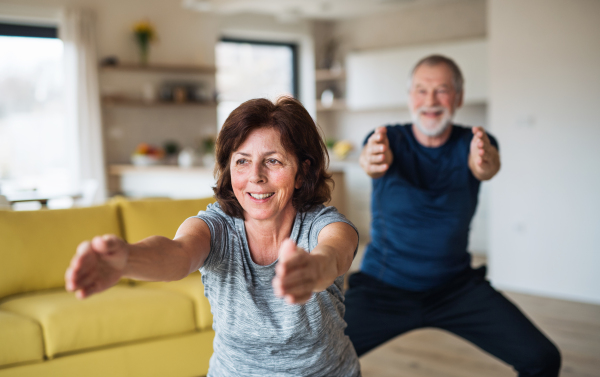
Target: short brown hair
(432, 60)
(299, 135)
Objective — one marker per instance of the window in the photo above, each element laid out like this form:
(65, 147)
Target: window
(253, 69)
(33, 134)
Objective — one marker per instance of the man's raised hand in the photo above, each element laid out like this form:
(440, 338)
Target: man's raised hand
(484, 159)
(96, 266)
(376, 156)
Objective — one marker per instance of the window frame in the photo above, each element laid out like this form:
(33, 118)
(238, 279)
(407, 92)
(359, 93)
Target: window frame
(24, 30)
(292, 46)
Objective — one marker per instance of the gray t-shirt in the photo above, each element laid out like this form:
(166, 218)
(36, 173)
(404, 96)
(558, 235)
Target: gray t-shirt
(259, 334)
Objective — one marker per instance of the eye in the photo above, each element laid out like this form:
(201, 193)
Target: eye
(273, 161)
(241, 161)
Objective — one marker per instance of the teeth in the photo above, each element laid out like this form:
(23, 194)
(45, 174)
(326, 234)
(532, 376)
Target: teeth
(261, 196)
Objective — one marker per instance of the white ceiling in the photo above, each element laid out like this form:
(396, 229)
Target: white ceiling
(292, 10)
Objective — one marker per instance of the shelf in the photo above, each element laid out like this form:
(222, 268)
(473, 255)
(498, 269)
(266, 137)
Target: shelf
(136, 102)
(164, 68)
(338, 104)
(329, 75)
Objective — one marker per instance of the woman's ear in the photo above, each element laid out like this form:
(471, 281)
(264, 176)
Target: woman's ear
(299, 177)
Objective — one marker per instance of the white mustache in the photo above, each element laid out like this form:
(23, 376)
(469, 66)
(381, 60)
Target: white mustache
(421, 110)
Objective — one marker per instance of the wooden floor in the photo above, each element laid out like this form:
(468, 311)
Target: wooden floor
(574, 328)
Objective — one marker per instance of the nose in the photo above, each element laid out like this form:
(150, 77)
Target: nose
(431, 99)
(257, 174)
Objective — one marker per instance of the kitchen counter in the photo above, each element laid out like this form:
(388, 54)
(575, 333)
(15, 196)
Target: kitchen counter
(167, 181)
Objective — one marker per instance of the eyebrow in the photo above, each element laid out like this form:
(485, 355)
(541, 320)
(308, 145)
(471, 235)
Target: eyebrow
(248, 154)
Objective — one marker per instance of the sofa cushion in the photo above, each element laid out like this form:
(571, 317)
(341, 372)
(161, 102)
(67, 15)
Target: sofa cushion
(192, 287)
(37, 246)
(145, 218)
(20, 339)
(120, 314)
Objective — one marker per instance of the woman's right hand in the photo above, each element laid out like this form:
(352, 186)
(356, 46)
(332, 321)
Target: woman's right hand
(97, 265)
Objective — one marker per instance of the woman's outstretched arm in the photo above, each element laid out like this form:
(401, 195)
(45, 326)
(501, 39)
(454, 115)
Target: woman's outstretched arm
(100, 263)
(299, 274)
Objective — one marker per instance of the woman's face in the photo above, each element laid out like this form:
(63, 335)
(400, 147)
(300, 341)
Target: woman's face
(263, 176)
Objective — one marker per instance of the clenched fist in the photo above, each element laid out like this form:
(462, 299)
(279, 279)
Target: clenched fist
(376, 156)
(96, 266)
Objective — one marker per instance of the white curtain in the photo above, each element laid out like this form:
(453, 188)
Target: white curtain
(82, 96)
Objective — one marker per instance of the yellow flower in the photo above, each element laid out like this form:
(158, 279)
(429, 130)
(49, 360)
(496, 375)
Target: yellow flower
(145, 30)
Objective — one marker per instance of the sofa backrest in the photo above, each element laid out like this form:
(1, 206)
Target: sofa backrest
(144, 218)
(37, 246)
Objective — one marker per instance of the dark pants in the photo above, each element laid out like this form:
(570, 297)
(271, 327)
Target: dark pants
(468, 307)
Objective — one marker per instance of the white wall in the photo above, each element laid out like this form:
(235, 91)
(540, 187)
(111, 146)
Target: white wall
(545, 205)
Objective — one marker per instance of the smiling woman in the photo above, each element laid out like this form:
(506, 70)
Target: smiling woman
(298, 137)
(272, 256)
(264, 176)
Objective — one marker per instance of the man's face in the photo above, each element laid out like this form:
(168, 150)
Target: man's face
(433, 99)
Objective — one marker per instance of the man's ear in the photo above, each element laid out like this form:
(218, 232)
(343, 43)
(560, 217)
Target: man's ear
(299, 177)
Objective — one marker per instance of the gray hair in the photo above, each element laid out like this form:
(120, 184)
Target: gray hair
(433, 60)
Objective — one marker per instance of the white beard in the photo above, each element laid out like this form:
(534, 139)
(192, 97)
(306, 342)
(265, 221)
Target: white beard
(433, 128)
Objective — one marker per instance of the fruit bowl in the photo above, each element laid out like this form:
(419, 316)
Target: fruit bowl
(146, 155)
(145, 160)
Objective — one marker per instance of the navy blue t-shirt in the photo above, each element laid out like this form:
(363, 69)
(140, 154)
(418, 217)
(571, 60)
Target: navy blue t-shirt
(421, 211)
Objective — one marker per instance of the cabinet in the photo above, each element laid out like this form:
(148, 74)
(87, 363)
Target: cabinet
(162, 181)
(377, 78)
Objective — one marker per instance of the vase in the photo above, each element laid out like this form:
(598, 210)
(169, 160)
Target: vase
(144, 45)
(144, 51)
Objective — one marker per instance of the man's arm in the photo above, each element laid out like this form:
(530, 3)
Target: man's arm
(376, 156)
(484, 159)
(299, 274)
(101, 263)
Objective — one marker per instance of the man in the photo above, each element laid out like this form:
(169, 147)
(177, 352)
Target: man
(416, 271)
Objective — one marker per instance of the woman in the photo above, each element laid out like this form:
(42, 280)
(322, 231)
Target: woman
(277, 310)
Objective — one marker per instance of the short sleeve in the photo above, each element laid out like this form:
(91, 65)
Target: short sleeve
(218, 224)
(322, 218)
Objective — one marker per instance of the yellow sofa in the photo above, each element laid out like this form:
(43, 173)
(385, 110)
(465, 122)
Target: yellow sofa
(132, 329)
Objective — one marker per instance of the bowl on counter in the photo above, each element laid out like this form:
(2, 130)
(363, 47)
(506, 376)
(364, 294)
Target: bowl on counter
(145, 160)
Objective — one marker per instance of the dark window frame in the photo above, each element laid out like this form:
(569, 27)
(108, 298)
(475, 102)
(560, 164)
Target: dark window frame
(21, 30)
(292, 46)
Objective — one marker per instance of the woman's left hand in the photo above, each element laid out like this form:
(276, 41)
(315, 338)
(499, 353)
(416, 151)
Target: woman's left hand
(297, 274)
